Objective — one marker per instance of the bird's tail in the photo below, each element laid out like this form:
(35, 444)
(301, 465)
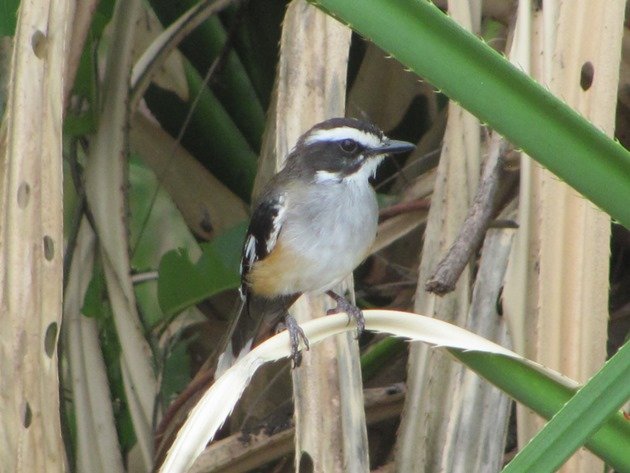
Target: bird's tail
(254, 322)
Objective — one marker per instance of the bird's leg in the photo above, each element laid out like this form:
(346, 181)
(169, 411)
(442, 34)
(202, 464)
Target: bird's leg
(295, 334)
(344, 305)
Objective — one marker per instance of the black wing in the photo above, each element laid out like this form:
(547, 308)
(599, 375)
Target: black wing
(256, 312)
(262, 234)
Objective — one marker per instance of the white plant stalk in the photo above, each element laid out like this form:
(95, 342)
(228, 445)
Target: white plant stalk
(105, 176)
(431, 377)
(328, 396)
(556, 290)
(219, 400)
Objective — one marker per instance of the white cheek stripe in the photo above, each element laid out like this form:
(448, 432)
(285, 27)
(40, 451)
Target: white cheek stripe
(368, 140)
(367, 170)
(327, 176)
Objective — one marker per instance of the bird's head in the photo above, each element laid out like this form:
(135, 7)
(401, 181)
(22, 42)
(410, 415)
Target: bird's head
(341, 149)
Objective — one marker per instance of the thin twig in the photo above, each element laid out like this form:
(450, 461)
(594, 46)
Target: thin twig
(502, 223)
(143, 277)
(403, 208)
(477, 221)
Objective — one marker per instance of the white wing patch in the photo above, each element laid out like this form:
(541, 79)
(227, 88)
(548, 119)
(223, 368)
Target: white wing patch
(248, 258)
(276, 223)
(249, 250)
(262, 235)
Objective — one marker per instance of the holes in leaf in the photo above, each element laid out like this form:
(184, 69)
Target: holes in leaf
(38, 43)
(49, 248)
(306, 463)
(23, 195)
(50, 339)
(28, 415)
(499, 302)
(586, 75)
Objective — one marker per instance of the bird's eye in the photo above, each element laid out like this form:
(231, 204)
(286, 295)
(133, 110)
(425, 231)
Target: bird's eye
(349, 146)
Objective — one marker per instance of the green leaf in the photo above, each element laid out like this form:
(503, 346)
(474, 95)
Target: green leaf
(579, 418)
(257, 41)
(110, 347)
(466, 69)
(547, 396)
(94, 302)
(231, 84)
(95, 305)
(176, 374)
(211, 135)
(8, 16)
(79, 125)
(182, 283)
(381, 355)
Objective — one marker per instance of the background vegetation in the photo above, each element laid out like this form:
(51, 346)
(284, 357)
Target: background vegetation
(174, 113)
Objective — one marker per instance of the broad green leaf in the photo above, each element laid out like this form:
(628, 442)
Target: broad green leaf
(257, 41)
(211, 135)
(8, 16)
(231, 85)
(462, 66)
(579, 418)
(182, 283)
(546, 396)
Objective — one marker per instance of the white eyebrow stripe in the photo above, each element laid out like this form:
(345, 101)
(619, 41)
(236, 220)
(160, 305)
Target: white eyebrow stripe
(343, 133)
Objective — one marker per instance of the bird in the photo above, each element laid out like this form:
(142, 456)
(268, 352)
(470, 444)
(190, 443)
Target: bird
(311, 226)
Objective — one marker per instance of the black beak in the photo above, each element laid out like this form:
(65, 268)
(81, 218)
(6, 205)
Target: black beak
(391, 147)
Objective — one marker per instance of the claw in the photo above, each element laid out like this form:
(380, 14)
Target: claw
(343, 305)
(295, 335)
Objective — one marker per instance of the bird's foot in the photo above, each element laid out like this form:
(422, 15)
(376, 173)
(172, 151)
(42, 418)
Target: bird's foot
(295, 335)
(343, 305)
